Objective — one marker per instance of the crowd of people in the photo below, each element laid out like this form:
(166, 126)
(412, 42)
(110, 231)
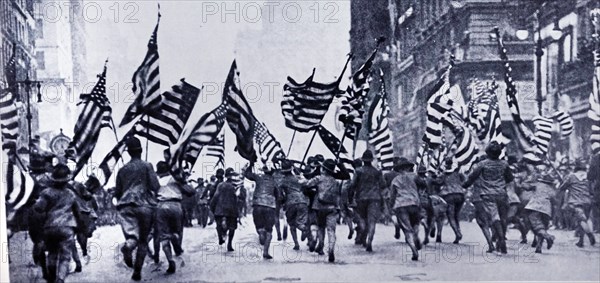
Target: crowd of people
(154, 205)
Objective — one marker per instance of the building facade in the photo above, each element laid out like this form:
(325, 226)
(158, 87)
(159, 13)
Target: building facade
(17, 26)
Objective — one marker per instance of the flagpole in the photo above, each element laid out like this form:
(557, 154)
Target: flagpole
(337, 154)
(291, 142)
(345, 67)
(309, 145)
(147, 135)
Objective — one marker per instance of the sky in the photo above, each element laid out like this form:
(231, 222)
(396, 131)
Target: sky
(198, 40)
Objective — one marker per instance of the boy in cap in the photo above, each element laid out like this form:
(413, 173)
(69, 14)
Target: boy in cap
(579, 199)
(493, 175)
(326, 204)
(225, 208)
(296, 202)
(61, 208)
(169, 212)
(539, 209)
(366, 187)
(264, 203)
(406, 203)
(135, 191)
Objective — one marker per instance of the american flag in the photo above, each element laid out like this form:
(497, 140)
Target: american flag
(146, 83)
(268, 146)
(333, 144)
(543, 128)
(9, 113)
(436, 109)
(95, 115)
(18, 184)
(184, 154)
(594, 112)
(524, 136)
(304, 104)
(164, 126)
(352, 108)
(109, 162)
(239, 115)
(217, 149)
(565, 123)
(380, 135)
(465, 141)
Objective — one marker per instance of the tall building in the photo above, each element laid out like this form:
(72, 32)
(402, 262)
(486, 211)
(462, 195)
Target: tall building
(17, 25)
(423, 34)
(60, 50)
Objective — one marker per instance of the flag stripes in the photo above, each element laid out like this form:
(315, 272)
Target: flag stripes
(9, 122)
(543, 132)
(96, 114)
(565, 123)
(304, 104)
(217, 149)
(268, 146)
(19, 184)
(594, 100)
(436, 108)
(146, 83)
(379, 132)
(184, 154)
(239, 115)
(164, 126)
(109, 162)
(333, 144)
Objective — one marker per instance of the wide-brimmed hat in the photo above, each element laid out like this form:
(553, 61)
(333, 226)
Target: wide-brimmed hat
(402, 162)
(133, 144)
(286, 166)
(329, 165)
(229, 172)
(367, 156)
(61, 174)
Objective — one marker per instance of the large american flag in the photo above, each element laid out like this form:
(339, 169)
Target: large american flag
(239, 115)
(268, 146)
(164, 126)
(524, 136)
(380, 135)
(9, 113)
(184, 154)
(304, 104)
(95, 115)
(146, 83)
(436, 109)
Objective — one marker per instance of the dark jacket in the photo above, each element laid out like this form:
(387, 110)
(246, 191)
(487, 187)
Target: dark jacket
(292, 190)
(367, 183)
(224, 202)
(265, 192)
(493, 175)
(136, 184)
(60, 206)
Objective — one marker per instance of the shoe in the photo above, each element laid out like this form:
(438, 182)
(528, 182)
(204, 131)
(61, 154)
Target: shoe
(297, 247)
(350, 234)
(592, 239)
(78, 268)
(580, 243)
(432, 233)
(230, 249)
(331, 257)
(523, 241)
(127, 257)
(369, 248)
(503, 248)
(397, 235)
(319, 251)
(438, 239)
(311, 246)
(538, 251)
(534, 243)
(425, 241)
(457, 239)
(415, 258)
(418, 245)
(136, 276)
(172, 267)
(267, 256)
(549, 242)
(303, 236)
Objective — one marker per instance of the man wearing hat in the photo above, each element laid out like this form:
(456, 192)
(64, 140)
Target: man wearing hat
(405, 196)
(202, 203)
(367, 188)
(539, 209)
(453, 194)
(135, 190)
(62, 210)
(296, 202)
(264, 203)
(225, 208)
(326, 204)
(169, 212)
(579, 200)
(388, 177)
(493, 175)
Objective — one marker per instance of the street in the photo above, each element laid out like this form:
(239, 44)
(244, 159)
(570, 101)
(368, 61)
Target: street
(205, 261)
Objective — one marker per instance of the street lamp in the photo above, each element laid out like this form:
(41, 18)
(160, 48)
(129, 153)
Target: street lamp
(28, 84)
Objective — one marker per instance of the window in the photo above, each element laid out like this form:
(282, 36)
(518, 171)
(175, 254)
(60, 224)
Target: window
(41, 60)
(567, 48)
(39, 27)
